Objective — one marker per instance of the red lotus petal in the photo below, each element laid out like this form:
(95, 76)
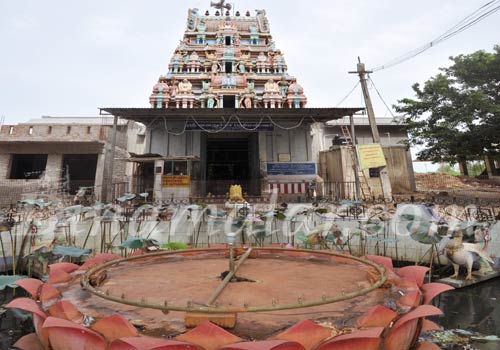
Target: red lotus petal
(406, 283)
(209, 336)
(64, 266)
(149, 343)
(367, 340)
(27, 304)
(402, 337)
(306, 332)
(381, 260)
(265, 345)
(58, 276)
(99, 259)
(427, 346)
(429, 326)
(29, 342)
(31, 285)
(43, 335)
(414, 272)
(114, 327)
(66, 310)
(67, 335)
(411, 299)
(431, 290)
(378, 316)
(419, 312)
(48, 292)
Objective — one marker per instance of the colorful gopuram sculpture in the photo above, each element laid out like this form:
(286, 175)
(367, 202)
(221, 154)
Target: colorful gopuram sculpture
(227, 60)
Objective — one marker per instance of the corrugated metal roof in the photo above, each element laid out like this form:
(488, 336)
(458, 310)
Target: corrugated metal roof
(147, 115)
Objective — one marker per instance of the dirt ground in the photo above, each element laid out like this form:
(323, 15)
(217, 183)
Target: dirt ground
(461, 185)
(278, 280)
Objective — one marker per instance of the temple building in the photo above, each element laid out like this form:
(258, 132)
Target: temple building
(227, 112)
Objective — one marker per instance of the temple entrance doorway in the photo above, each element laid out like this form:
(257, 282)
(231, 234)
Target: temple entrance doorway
(232, 159)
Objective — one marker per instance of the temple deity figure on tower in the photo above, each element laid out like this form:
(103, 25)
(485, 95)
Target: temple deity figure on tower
(246, 100)
(205, 86)
(173, 88)
(194, 63)
(262, 63)
(279, 64)
(283, 87)
(211, 99)
(185, 96)
(241, 67)
(185, 87)
(272, 97)
(175, 63)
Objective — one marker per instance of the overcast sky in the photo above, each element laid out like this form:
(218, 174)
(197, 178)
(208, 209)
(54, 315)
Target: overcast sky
(67, 58)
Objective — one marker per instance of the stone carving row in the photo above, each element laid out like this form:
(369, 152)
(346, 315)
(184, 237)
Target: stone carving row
(274, 95)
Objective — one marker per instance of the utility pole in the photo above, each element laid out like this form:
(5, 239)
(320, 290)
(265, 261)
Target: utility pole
(384, 175)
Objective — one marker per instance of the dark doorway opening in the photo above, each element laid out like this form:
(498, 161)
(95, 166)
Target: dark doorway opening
(228, 41)
(80, 169)
(229, 101)
(228, 163)
(145, 178)
(28, 166)
(229, 67)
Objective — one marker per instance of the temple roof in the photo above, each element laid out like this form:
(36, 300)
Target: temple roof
(149, 115)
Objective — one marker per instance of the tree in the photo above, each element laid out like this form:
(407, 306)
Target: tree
(456, 114)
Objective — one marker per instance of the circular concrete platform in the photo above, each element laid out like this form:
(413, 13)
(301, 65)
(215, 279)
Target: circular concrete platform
(288, 286)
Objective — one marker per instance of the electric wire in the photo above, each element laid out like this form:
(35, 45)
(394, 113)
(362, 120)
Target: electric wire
(284, 127)
(380, 96)
(475, 17)
(349, 94)
(172, 132)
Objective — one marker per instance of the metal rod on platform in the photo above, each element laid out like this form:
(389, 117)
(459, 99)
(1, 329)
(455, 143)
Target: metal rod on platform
(228, 278)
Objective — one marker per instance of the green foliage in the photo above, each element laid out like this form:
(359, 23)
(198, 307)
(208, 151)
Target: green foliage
(174, 246)
(456, 114)
(447, 169)
(139, 243)
(476, 168)
(70, 251)
(8, 281)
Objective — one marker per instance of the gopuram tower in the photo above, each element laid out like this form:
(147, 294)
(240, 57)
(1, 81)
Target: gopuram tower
(226, 61)
(227, 112)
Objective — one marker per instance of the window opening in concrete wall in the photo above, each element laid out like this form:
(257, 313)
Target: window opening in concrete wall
(11, 130)
(68, 130)
(49, 130)
(81, 169)
(175, 168)
(28, 166)
(30, 131)
(89, 129)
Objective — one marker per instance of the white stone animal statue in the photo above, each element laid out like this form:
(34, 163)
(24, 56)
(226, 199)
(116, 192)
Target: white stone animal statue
(464, 254)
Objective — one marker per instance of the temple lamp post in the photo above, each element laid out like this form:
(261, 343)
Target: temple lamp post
(230, 238)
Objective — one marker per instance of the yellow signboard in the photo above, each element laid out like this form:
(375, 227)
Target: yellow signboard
(176, 181)
(371, 156)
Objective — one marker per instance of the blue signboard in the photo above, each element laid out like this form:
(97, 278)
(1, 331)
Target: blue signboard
(291, 168)
(231, 126)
